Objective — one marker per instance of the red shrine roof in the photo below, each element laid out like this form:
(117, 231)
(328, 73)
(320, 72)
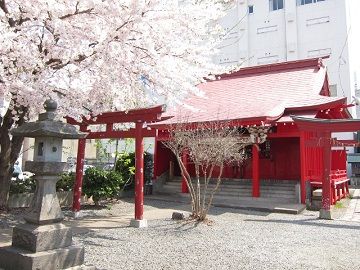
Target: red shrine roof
(259, 94)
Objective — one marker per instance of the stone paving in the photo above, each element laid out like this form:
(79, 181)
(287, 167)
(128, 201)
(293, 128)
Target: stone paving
(353, 210)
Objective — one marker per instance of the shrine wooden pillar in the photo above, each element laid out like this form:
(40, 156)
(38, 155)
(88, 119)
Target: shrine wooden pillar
(255, 171)
(326, 181)
(79, 174)
(184, 186)
(155, 156)
(302, 167)
(139, 172)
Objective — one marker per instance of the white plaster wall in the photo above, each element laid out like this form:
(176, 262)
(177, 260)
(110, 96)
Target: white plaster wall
(267, 37)
(295, 32)
(353, 22)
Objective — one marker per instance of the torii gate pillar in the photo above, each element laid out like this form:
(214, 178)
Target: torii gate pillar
(325, 211)
(139, 220)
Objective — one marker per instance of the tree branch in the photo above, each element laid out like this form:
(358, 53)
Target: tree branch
(4, 8)
(16, 141)
(77, 12)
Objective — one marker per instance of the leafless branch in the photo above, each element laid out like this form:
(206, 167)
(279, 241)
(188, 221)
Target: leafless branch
(209, 146)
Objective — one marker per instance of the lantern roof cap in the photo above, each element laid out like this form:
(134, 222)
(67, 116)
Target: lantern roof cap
(47, 126)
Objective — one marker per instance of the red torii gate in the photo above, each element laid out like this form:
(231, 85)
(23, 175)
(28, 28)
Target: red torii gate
(137, 116)
(322, 129)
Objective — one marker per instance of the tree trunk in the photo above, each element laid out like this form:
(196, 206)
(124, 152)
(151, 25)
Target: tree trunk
(218, 182)
(5, 178)
(9, 150)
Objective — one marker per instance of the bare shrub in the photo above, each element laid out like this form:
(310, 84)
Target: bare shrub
(210, 146)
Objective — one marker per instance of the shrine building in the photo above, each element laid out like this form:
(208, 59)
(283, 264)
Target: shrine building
(288, 101)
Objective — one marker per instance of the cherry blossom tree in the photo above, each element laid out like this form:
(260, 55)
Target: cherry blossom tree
(100, 55)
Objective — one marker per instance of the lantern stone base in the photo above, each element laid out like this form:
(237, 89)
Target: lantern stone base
(137, 223)
(325, 214)
(37, 238)
(37, 247)
(18, 259)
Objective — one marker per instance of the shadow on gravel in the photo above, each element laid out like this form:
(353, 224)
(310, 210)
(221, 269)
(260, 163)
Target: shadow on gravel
(93, 238)
(218, 210)
(307, 222)
(185, 206)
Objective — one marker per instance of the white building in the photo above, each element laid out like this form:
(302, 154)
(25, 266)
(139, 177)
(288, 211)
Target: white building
(270, 31)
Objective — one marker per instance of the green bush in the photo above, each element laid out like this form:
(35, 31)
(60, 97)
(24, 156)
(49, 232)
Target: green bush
(22, 186)
(125, 165)
(66, 182)
(101, 184)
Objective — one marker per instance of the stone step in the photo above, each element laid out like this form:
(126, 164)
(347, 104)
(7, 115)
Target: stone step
(240, 193)
(238, 183)
(279, 189)
(282, 197)
(224, 184)
(275, 192)
(224, 198)
(220, 197)
(288, 196)
(248, 181)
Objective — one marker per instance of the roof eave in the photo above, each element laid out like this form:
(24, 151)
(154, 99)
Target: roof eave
(322, 106)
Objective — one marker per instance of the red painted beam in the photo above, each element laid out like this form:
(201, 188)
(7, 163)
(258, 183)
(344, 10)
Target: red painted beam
(139, 172)
(144, 115)
(327, 125)
(284, 134)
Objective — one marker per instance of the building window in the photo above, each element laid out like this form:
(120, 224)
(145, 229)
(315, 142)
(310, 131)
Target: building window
(305, 2)
(251, 9)
(276, 4)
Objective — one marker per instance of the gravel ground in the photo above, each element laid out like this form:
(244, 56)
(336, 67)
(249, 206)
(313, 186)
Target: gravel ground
(235, 240)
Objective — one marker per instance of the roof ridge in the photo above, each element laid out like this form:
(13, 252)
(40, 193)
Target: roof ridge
(276, 67)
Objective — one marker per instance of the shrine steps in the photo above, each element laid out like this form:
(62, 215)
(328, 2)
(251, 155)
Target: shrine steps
(242, 188)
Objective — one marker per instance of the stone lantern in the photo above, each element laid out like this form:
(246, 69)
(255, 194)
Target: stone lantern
(43, 242)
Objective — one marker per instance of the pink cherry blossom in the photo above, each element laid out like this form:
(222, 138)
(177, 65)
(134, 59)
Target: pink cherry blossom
(101, 55)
